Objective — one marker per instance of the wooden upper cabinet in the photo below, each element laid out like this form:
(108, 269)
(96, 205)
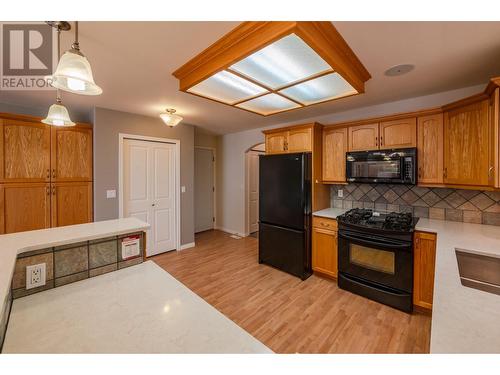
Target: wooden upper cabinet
(467, 145)
(398, 133)
(334, 150)
(276, 142)
(24, 151)
(430, 149)
(24, 206)
(363, 137)
(72, 154)
(71, 203)
(299, 140)
(424, 264)
(495, 124)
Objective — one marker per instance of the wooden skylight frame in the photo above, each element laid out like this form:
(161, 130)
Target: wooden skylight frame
(250, 37)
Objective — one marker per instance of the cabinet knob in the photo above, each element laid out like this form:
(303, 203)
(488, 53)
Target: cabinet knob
(48, 172)
(54, 173)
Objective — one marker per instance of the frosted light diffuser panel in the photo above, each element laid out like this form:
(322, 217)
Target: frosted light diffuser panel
(268, 104)
(281, 63)
(320, 89)
(227, 87)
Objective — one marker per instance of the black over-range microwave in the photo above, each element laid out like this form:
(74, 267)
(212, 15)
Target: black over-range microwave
(397, 166)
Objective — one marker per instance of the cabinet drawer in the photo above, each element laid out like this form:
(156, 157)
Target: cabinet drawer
(324, 223)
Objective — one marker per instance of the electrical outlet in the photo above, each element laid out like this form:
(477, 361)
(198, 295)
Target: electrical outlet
(35, 275)
(340, 193)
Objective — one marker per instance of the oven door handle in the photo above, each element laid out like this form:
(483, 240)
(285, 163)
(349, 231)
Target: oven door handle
(378, 243)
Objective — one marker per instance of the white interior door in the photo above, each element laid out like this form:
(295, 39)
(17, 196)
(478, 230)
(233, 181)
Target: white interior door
(203, 189)
(253, 191)
(149, 190)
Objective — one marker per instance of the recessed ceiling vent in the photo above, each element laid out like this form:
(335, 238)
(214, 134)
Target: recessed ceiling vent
(272, 67)
(399, 70)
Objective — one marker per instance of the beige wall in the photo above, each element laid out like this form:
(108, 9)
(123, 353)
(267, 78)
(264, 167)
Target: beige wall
(107, 125)
(231, 153)
(202, 138)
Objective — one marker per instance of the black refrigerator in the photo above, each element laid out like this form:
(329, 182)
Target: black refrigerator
(285, 212)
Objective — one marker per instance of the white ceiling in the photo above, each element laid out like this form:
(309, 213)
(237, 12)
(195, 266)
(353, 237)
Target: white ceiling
(133, 62)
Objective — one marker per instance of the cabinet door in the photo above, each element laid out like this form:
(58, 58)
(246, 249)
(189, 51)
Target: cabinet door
(495, 124)
(363, 137)
(299, 140)
(430, 149)
(276, 142)
(24, 151)
(398, 133)
(334, 149)
(24, 206)
(467, 145)
(72, 154)
(71, 203)
(324, 251)
(424, 266)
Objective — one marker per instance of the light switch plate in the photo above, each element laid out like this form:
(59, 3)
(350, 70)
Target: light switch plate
(35, 275)
(110, 194)
(340, 193)
(183, 189)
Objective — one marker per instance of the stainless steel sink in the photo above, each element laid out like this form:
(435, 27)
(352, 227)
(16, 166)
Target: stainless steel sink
(479, 271)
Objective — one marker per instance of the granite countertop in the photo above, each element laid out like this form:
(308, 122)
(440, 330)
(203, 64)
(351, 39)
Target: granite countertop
(16, 243)
(464, 320)
(140, 309)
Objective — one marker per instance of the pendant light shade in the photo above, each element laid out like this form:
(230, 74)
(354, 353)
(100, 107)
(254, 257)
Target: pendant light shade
(170, 118)
(74, 74)
(58, 116)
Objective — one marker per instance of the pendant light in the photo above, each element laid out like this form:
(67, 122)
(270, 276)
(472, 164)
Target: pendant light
(58, 114)
(73, 73)
(170, 118)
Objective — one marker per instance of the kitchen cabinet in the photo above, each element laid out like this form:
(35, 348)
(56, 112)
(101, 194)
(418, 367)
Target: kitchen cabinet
(424, 251)
(325, 246)
(24, 151)
(71, 153)
(276, 142)
(430, 149)
(45, 174)
(363, 137)
(299, 140)
(24, 206)
(398, 133)
(467, 145)
(71, 203)
(495, 124)
(334, 150)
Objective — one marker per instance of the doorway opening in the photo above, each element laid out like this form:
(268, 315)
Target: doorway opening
(149, 188)
(204, 189)
(252, 188)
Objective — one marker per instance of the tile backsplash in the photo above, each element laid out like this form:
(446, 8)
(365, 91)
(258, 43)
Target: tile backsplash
(471, 206)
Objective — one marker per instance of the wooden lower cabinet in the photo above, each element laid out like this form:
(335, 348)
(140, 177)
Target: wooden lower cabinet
(424, 267)
(24, 206)
(71, 203)
(325, 251)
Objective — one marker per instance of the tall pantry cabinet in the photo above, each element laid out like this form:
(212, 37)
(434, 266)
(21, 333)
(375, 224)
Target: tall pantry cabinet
(45, 174)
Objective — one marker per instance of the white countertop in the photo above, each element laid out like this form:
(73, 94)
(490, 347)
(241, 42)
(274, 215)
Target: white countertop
(330, 213)
(464, 320)
(140, 309)
(16, 243)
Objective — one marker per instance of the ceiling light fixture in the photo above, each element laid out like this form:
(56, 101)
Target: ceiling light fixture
(170, 118)
(74, 73)
(272, 67)
(58, 114)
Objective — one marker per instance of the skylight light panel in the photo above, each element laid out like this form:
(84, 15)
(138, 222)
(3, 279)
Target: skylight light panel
(281, 63)
(227, 87)
(268, 104)
(320, 89)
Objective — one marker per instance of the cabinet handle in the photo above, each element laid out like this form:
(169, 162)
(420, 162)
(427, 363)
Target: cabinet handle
(48, 172)
(419, 172)
(381, 141)
(47, 189)
(445, 173)
(376, 141)
(54, 173)
(53, 190)
(489, 172)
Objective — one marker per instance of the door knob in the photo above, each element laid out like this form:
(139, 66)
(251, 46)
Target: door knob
(153, 205)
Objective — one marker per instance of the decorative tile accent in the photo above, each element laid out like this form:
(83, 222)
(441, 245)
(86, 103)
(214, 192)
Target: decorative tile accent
(130, 262)
(104, 253)
(22, 292)
(71, 260)
(71, 278)
(471, 206)
(103, 270)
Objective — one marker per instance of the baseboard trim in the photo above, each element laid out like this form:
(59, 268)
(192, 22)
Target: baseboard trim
(187, 246)
(229, 231)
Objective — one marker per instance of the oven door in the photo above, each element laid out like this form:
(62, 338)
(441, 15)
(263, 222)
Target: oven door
(379, 260)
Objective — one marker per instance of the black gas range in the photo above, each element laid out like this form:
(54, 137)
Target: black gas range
(375, 255)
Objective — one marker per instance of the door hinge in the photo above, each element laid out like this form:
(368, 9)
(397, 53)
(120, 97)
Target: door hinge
(213, 159)
(213, 219)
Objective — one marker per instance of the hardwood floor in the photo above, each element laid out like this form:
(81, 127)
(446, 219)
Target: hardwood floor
(286, 314)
